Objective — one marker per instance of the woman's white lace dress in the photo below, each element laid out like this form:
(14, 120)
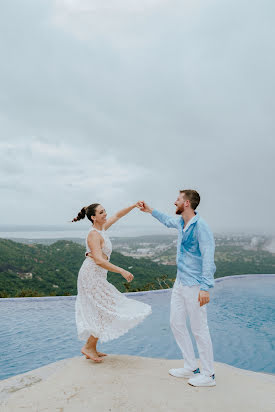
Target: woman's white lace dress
(100, 309)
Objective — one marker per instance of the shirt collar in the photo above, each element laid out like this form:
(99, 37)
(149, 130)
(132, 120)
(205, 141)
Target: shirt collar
(191, 221)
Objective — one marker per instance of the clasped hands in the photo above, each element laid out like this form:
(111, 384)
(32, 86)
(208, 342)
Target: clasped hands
(143, 207)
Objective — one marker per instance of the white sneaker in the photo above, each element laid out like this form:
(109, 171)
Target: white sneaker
(183, 373)
(202, 380)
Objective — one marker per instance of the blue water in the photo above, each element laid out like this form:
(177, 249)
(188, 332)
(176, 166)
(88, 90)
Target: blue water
(38, 331)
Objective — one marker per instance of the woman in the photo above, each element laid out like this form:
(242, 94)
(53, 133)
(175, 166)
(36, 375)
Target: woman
(102, 312)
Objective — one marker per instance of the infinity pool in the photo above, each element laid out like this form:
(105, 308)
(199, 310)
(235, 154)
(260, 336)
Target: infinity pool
(38, 331)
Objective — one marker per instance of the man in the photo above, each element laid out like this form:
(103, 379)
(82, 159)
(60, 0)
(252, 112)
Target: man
(190, 294)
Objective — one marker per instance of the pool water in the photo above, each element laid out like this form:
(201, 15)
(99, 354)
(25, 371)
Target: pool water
(38, 331)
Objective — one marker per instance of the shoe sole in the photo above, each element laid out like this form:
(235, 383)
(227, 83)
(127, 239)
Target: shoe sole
(183, 377)
(204, 386)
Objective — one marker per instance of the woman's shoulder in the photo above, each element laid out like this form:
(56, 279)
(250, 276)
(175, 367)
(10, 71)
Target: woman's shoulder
(94, 234)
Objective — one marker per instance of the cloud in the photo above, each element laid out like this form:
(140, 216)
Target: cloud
(103, 6)
(122, 100)
(63, 175)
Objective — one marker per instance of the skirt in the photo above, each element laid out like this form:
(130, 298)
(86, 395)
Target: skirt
(100, 309)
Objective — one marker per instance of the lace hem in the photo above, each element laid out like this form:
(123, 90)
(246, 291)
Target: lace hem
(107, 334)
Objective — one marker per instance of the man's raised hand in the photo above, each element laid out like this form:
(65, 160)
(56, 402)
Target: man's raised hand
(145, 207)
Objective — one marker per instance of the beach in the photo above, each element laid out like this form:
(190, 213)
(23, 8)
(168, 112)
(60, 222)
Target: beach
(133, 384)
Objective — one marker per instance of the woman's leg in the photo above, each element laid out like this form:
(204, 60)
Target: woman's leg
(92, 342)
(89, 349)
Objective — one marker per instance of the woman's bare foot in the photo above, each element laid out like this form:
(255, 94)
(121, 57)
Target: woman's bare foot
(101, 354)
(91, 354)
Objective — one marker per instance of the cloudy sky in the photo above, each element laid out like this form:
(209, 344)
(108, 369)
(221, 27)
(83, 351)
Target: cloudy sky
(115, 101)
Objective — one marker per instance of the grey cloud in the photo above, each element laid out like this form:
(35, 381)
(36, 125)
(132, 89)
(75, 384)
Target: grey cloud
(184, 92)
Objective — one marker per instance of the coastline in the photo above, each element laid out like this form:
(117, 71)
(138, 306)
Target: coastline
(129, 383)
(143, 292)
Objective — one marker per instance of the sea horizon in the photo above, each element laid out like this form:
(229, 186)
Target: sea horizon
(38, 231)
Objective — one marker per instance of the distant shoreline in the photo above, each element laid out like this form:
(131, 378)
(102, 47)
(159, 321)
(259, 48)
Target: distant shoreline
(140, 293)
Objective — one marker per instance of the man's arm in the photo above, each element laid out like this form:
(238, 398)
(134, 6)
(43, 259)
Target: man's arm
(166, 220)
(207, 248)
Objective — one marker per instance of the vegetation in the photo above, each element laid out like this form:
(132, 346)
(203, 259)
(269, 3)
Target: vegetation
(234, 260)
(49, 270)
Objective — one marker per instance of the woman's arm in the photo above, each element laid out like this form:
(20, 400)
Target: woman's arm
(120, 214)
(94, 243)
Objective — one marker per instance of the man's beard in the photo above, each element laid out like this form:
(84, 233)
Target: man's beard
(180, 210)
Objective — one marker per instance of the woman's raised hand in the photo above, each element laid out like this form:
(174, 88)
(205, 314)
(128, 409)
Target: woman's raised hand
(127, 275)
(139, 204)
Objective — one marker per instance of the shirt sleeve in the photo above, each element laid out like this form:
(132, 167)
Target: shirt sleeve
(166, 220)
(207, 249)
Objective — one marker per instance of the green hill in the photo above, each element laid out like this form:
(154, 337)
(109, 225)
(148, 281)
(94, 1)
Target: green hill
(52, 269)
(38, 270)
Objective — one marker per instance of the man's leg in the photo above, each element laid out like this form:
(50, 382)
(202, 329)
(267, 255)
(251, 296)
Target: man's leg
(178, 316)
(199, 326)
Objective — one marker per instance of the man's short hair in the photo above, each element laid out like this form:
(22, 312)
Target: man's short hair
(192, 196)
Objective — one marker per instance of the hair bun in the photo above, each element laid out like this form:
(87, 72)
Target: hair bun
(81, 215)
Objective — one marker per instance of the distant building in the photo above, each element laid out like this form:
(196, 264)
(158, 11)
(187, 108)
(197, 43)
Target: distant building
(27, 275)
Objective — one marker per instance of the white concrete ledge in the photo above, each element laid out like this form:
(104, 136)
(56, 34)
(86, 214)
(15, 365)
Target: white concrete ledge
(133, 384)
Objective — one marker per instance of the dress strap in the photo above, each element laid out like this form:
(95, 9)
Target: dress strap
(101, 232)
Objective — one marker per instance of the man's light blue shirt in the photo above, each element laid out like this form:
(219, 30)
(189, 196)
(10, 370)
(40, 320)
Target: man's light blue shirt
(195, 250)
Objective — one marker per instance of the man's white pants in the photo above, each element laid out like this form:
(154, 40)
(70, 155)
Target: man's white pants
(184, 302)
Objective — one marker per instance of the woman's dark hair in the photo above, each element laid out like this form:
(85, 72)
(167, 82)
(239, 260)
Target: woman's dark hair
(86, 211)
